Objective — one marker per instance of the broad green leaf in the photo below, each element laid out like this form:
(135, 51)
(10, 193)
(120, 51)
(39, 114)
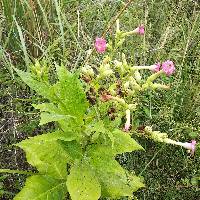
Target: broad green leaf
(82, 183)
(115, 181)
(50, 117)
(42, 188)
(67, 94)
(50, 113)
(70, 91)
(120, 142)
(47, 156)
(134, 181)
(51, 152)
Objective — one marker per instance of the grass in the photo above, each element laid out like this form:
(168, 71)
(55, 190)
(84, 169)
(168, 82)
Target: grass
(62, 31)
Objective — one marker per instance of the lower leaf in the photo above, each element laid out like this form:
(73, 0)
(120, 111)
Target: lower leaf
(115, 181)
(47, 156)
(42, 188)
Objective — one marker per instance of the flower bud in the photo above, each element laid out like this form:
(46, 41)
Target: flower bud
(126, 85)
(105, 71)
(156, 67)
(191, 146)
(106, 60)
(159, 86)
(139, 30)
(121, 41)
(132, 106)
(87, 70)
(137, 76)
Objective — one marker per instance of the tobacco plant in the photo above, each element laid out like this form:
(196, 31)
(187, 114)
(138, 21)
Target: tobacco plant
(93, 109)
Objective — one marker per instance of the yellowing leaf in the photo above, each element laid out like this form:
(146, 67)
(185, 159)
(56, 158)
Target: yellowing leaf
(47, 154)
(42, 188)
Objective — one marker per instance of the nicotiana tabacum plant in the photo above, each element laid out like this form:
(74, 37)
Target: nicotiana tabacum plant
(92, 109)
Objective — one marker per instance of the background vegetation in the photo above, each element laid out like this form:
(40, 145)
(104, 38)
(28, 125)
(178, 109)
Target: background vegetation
(63, 31)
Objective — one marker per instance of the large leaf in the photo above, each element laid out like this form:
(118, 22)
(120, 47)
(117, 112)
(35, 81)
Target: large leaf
(49, 158)
(73, 149)
(121, 142)
(82, 183)
(50, 113)
(71, 93)
(115, 181)
(42, 188)
(47, 154)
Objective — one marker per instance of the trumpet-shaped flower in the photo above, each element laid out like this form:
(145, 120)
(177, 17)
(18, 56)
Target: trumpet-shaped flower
(168, 67)
(100, 45)
(156, 67)
(140, 30)
(190, 146)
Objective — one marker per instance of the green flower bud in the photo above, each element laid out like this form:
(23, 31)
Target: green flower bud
(127, 85)
(105, 70)
(132, 107)
(160, 86)
(87, 70)
(106, 60)
(137, 76)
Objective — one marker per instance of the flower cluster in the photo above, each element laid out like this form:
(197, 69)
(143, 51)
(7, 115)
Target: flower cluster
(132, 82)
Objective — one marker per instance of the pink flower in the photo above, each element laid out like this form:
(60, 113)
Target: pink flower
(156, 67)
(168, 67)
(140, 30)
(191, 146)
(100, 45)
